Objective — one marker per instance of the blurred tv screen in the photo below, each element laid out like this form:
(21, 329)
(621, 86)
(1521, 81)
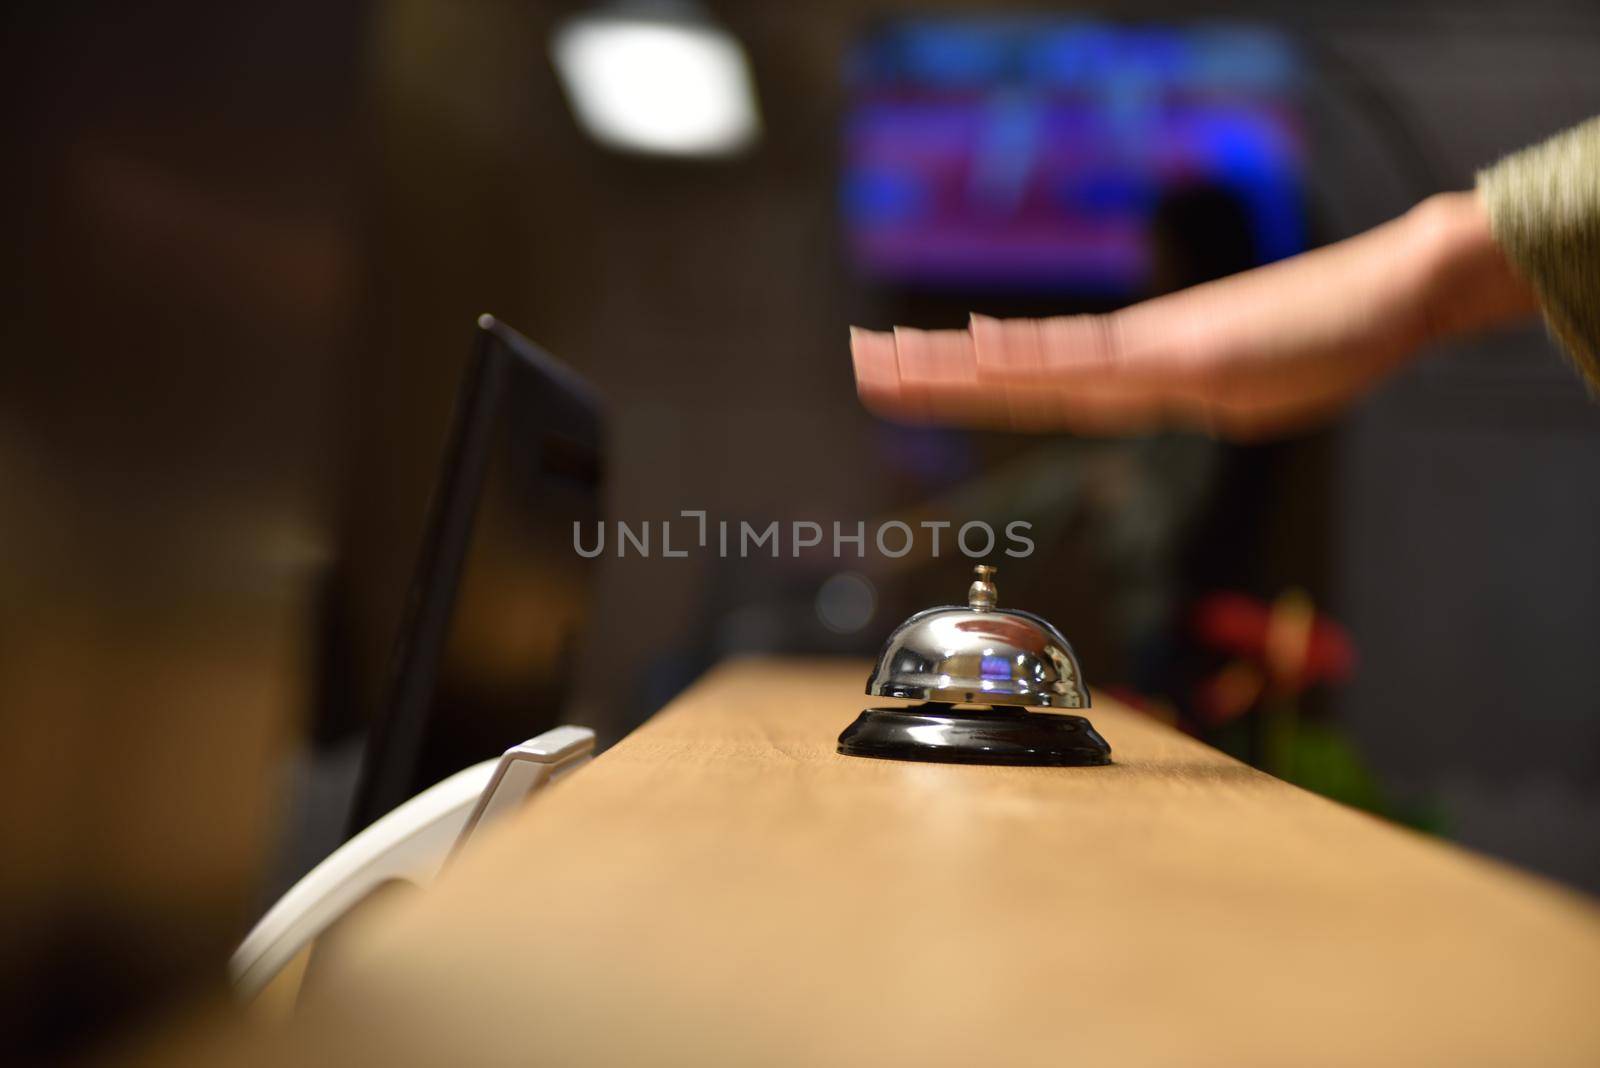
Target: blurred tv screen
(1034, 154)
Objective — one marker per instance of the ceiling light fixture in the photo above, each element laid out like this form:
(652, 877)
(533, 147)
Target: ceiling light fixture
(658, 78)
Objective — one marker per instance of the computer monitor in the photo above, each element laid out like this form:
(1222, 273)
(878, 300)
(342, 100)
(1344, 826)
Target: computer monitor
(484, 658)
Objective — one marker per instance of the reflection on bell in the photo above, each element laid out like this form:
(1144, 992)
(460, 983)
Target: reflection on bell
(979, 655)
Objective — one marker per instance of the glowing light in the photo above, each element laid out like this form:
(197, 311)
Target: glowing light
(658, 83)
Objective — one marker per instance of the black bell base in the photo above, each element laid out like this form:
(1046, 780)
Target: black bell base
(944, 735)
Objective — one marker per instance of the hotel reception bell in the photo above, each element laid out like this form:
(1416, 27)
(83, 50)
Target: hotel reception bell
(980, 671)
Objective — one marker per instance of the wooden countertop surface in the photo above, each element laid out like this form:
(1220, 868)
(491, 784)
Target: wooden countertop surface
(722, 888)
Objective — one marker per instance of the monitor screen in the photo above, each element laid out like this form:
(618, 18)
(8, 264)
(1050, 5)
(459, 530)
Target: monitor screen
(1035, 153)
(498, 599)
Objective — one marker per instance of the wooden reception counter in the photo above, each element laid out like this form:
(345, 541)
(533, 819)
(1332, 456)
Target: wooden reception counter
(722, 888)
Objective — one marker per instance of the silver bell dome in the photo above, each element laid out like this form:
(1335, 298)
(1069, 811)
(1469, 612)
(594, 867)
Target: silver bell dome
(979, 654)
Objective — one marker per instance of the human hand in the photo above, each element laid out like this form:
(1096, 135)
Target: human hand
(1259, 353)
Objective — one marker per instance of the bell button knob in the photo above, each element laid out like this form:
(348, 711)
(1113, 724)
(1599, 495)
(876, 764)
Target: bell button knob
(982, 594)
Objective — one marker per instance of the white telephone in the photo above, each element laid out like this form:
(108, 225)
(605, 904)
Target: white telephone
(411, 843)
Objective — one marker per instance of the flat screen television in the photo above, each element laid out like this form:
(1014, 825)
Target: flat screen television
(1034, 154)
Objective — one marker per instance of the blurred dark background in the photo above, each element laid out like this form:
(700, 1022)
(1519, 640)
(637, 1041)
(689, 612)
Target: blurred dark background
(249, 246)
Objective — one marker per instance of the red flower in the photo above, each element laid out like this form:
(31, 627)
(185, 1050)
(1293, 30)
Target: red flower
(1292, 645)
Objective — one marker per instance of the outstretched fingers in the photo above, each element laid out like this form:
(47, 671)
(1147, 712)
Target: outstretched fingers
(877, 370)
(923, 376)
(939, 376)
(1026, 374)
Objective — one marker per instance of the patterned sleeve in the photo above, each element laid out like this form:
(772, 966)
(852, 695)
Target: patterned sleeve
(1544, 210)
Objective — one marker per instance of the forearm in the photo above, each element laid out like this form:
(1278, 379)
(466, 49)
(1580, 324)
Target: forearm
(1272, 349)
